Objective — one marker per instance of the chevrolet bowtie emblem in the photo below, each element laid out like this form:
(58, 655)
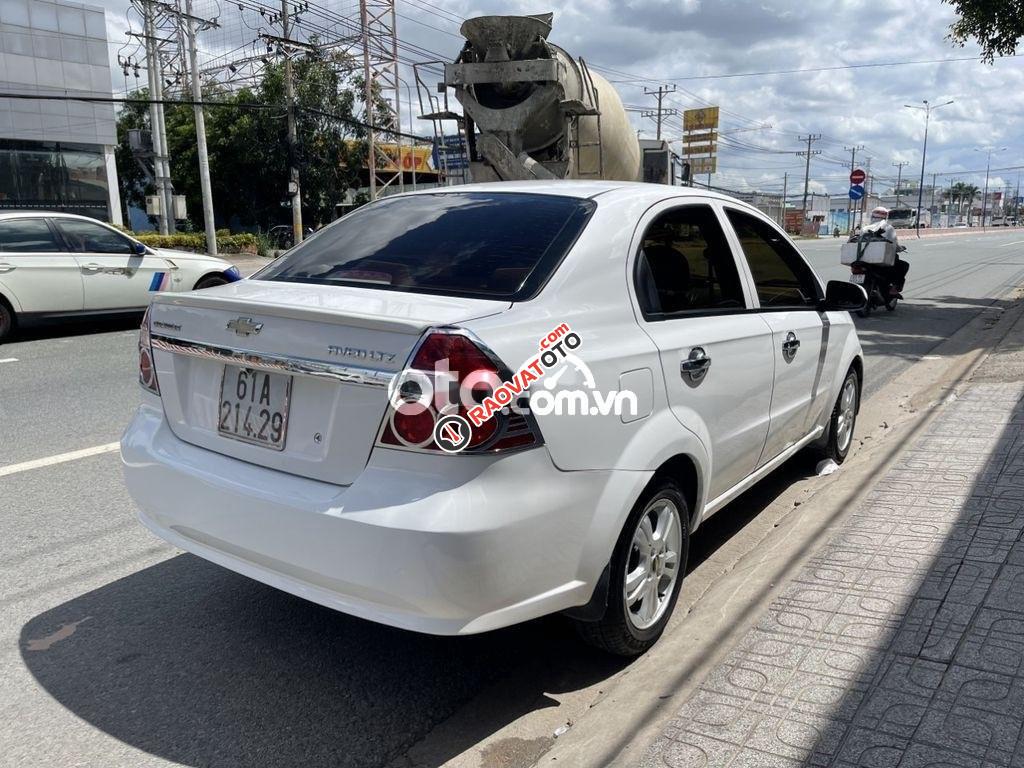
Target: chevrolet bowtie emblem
(244, 326)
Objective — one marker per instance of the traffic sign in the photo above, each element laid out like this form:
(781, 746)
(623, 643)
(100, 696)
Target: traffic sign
(856, 191)
(857, 177)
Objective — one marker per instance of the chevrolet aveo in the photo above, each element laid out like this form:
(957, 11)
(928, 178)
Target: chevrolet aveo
(273, 437)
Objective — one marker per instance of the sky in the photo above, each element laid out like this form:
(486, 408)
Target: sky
(711, 51)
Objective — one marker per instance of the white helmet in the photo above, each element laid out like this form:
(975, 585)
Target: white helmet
(881, 213)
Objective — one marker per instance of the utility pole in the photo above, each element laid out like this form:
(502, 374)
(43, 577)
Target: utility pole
(988, 167)
(849, 203)
(154, 74)
(810, 139)
(379, 36)
(932, 203)
(1016, 202)
(868, 189)
(660, 93)
(289, 94)
(899, 178)
(197, 96)
(785, 192)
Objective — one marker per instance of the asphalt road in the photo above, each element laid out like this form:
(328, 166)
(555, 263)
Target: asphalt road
(118, 650)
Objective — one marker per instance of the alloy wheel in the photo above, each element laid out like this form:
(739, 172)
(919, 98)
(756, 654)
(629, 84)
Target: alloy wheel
(847, 414)
(652, 567)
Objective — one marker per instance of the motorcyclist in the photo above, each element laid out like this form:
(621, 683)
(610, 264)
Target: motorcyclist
(896, 275)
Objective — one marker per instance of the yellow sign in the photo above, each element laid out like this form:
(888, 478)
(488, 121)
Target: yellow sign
(412, 157)
(692, 138)
(702, 165)
(700, 149)
(704, 119)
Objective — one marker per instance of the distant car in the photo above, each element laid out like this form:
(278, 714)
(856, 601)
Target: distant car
(58, 265)
(270, 440)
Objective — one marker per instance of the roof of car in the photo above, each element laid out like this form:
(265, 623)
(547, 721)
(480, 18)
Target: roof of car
(34, 214)
(587, 188)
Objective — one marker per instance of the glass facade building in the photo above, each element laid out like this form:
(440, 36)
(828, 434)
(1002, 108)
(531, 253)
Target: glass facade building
(56, 154)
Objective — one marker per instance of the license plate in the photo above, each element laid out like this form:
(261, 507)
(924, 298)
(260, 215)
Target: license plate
(253, 406)
(858, 279)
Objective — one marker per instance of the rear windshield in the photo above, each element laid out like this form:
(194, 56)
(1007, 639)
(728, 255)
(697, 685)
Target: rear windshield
(494, 245)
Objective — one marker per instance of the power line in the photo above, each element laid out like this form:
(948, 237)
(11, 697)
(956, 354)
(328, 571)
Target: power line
(768, 72)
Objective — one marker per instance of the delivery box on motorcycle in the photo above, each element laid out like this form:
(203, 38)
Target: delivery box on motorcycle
(874, 244)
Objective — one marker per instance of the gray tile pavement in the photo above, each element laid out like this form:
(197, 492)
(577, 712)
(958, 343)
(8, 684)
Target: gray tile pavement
(901, 643)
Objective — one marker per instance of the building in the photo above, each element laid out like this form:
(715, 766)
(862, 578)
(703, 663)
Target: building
(59, 154)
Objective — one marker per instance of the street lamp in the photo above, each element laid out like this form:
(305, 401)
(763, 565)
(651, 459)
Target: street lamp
(927, 109)
(988, 167)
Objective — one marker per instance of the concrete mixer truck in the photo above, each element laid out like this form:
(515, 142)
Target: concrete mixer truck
(532, 111)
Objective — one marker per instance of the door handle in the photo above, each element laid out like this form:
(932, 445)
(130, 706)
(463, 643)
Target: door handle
(91, 267)
(790, 345)
(5, 267)
(696, 366)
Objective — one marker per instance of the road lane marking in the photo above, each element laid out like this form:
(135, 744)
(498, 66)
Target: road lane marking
(8, 360)
(1002, 245)
(60, 458)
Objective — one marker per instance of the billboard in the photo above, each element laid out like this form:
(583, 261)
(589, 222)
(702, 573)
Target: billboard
(411, 157)
(700, 165)
(703, 119)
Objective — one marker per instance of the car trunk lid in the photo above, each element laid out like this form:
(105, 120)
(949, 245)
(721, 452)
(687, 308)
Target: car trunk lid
(319, 357)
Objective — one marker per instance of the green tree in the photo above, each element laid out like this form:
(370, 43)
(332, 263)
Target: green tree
(134, 182)
(995, 25)
(248, 145)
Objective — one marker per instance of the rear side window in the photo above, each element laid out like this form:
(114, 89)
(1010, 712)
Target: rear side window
(27, 236)
(87, 237)
(782, 278)
(477, 244)
(685, 264)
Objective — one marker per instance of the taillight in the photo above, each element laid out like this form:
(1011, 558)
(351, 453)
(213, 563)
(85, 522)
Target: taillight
(147, 369)
(449, 374)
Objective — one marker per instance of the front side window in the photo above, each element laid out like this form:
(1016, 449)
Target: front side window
(493, 245)
(27, 236)
(87, 237)
(685, 264)
(782, 278)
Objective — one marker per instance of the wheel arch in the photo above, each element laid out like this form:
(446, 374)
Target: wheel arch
(8, 298)
(684, 470)
(213, 273)
(857, 364)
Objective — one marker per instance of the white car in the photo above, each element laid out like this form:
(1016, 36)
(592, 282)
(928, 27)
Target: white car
(55, 265)
(267, 441)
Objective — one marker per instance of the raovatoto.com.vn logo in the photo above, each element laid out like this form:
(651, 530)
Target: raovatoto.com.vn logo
(553, 381)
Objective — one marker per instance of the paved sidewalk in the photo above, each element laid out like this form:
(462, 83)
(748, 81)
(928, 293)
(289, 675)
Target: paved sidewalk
(901, 643)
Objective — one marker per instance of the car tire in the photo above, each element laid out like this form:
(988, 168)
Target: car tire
(8, 320)
(210, 281)
(842, 422)
(628, 628)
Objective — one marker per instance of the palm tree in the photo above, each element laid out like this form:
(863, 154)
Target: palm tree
(969, 193)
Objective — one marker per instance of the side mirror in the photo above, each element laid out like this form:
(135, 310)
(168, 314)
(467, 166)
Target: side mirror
(842, 296)
(138, 249)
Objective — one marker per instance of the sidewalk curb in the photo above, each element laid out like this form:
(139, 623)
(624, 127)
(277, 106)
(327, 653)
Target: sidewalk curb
(622, 723)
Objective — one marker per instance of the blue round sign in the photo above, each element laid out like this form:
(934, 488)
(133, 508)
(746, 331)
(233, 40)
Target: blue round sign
(856, 191)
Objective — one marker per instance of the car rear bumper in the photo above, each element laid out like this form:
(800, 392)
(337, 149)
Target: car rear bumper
(437, 544)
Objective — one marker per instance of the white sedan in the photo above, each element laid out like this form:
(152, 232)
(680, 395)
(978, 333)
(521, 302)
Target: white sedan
(455, 410)
(56, 265)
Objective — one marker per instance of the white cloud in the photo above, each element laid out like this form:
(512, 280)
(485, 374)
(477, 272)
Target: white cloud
(673, 40)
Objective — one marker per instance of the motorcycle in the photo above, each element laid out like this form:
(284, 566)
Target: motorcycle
(882, 284)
